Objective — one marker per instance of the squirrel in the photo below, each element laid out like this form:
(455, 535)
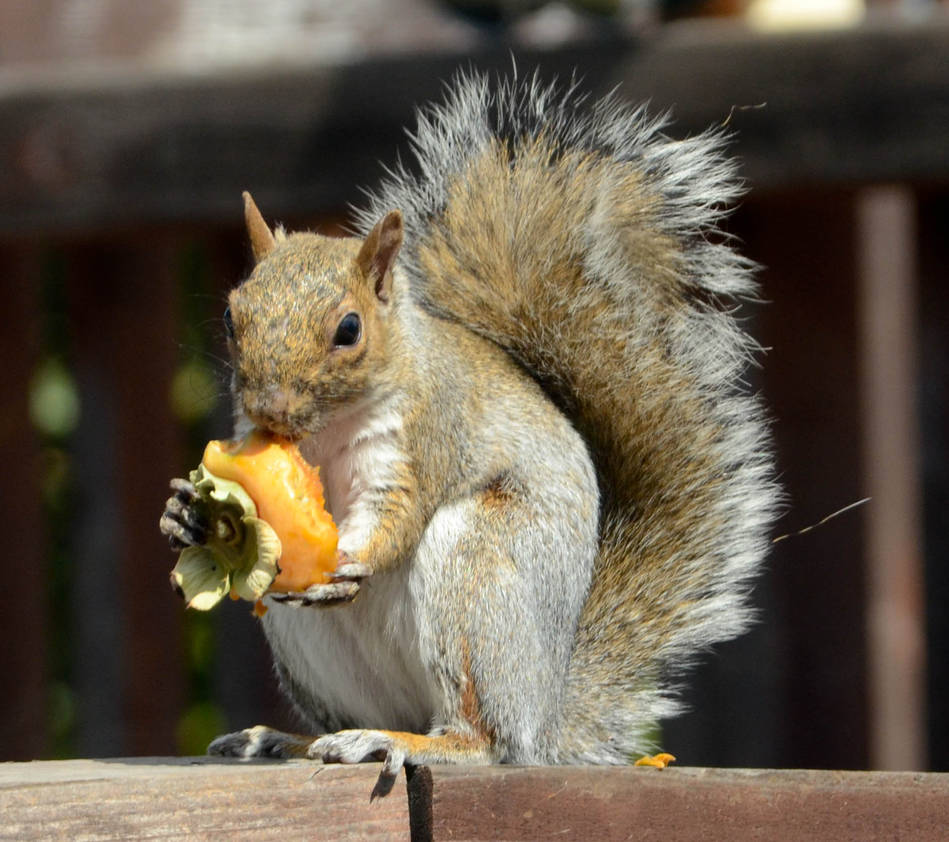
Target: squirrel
(522, 382)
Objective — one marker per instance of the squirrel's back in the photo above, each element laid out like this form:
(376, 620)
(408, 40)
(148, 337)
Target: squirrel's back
(585, 243)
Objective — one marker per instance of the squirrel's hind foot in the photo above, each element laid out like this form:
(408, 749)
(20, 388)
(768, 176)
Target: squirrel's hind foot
(343, 747)
(397, 749)
(260, 741)
(359, 746)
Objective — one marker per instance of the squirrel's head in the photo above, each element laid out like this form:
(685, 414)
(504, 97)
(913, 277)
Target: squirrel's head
(307, 330)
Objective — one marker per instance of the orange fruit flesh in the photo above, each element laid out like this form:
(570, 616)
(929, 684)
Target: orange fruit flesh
(288, 494)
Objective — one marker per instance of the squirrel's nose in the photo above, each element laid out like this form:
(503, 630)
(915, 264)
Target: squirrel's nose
(273, 408)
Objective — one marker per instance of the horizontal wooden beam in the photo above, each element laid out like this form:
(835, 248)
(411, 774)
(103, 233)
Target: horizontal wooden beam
(835, 107)
(124, 144)
(604, 804)
(176, 797)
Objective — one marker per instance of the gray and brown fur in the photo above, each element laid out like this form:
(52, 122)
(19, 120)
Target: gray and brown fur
(584, 241)
(579, 491)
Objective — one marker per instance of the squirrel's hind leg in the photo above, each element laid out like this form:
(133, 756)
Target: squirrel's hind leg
(393, 748)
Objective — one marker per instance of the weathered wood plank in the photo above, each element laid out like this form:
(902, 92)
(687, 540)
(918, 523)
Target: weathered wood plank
(204, 798)
(597, 803)
(197, 798)
(127, 144)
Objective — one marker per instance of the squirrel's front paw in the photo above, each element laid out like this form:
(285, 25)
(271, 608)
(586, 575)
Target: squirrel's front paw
(184, 520)
(345, 585)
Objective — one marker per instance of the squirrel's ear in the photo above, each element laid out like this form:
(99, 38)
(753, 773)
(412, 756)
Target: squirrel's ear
(379, 251)
(261, 239)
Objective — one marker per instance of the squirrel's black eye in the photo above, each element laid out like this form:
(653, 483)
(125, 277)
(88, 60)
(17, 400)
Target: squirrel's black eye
(228, 323)
(348, 331)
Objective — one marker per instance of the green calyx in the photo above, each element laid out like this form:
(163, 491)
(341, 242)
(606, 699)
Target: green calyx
(240, 553)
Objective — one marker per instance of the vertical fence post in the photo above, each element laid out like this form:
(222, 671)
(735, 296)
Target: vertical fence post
(888, 333)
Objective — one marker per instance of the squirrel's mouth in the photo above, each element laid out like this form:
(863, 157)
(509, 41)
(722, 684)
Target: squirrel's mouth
(279, 411)
(285, 429)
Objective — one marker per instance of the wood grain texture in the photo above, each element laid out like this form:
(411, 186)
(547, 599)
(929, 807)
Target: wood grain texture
(195, 798)
(599, 803)
(203, 798)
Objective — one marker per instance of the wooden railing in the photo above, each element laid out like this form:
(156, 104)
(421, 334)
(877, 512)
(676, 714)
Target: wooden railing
(211, 799)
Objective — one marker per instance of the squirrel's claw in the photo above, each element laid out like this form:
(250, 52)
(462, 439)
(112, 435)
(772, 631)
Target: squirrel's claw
(352, 571)
(184, 488)
(320, 595)
(183, 521)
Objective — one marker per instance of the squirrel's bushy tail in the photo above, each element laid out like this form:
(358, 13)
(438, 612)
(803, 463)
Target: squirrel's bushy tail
(585, 242)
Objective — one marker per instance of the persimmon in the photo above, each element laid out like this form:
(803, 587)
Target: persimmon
(289, 496)
(268, 528)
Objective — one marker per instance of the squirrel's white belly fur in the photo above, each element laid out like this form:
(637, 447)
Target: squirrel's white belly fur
(340, 673)
(357, 454)
(332, 659)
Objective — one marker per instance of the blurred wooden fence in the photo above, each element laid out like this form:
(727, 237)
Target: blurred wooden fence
(119, 235)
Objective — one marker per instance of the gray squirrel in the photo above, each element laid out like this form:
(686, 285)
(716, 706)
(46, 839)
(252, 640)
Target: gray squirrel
(524, 393)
